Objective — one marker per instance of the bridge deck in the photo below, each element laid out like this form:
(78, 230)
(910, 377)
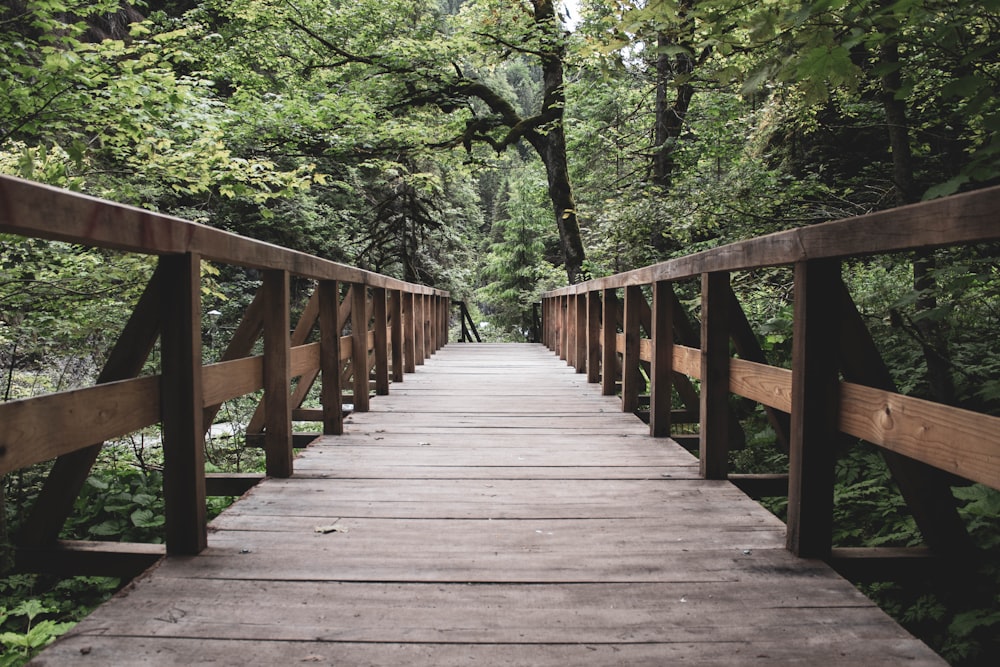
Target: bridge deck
(495, 509)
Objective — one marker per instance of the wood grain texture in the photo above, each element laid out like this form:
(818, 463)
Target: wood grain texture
(964, 218)
(480, 515)
(42, 211)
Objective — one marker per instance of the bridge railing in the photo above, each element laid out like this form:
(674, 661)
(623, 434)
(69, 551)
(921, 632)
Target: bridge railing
(837, 384)
(371, 330)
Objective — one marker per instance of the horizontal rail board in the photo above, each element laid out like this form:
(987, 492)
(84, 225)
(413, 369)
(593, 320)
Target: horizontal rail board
(965, 218)
(41, 211)
(60, 423)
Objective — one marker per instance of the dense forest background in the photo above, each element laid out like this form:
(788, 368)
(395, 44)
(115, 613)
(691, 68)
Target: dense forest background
(499, 149)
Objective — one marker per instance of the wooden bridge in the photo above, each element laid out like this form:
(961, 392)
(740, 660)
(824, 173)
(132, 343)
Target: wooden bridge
(502, 504)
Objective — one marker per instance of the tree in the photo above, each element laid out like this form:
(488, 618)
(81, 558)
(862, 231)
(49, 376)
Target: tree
(408, 78)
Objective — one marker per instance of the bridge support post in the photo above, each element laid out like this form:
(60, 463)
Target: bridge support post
(181, 406)
(815, 407)
(662, 366)
(593, 337)
(609, 342)
(409, 333)
(331, 363)
(580, 330)
(714, 402)
(359, 346)
(631, 377)
(277, 375)
(396, 334)
(381, 316)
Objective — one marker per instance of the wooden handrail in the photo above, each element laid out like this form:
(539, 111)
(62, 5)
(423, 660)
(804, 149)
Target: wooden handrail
(586, 325)
(392, 324)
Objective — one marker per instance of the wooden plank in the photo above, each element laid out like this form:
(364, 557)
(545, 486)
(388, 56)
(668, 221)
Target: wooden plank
(182, 652)
(897, 564)
(958, 441)
(964, 218)
(63, 422)
(182, 406)
(405, 539)
(767, 385)
(761, 485)
(241, 345)
(230, 484)
(359, 346)
(419, 330)
(715, 363)
(42, 211)
(687, 360)
(226, 380)
(93, 559)
(815, 400)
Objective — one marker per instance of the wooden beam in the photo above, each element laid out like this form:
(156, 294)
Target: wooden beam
(715, 361)
(593, 337)
(815, 406)
(240, 345)
(580, 327)
(409, 333)
(964, 218)
(661, 369)
(331, 362)
(277, 375)
(900, 564)
(759, 486)
(381, 314)
(632, 384)
(182, 406)
(230, 484)
(359, 346)
(609, 346)
(93, 559)
(396, 335)
(419, 329)
(42, 211)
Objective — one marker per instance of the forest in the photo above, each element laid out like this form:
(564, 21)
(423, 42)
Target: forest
(498, 150)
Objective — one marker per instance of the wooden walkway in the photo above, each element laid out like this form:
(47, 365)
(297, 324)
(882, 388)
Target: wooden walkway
(494, 510)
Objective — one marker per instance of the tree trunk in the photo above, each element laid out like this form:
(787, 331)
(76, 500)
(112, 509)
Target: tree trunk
(551, 145)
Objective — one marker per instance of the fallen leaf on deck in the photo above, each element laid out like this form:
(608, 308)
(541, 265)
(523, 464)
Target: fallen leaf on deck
(332, 528)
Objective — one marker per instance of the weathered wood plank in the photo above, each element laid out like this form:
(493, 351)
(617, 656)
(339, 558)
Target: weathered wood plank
(42, 211)
(514, 533)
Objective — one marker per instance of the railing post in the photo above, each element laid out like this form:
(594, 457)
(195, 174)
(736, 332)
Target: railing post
(181, 406)
(593, 337)
(609, 343)
(418, 329)
(359, 346)
(815, 407)
(661, 368)
(381, 316)
(631, 377)
(396, 335)
(330, 362)
(409, 333)
(277, 375)
(714, 408)
(580, 327)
